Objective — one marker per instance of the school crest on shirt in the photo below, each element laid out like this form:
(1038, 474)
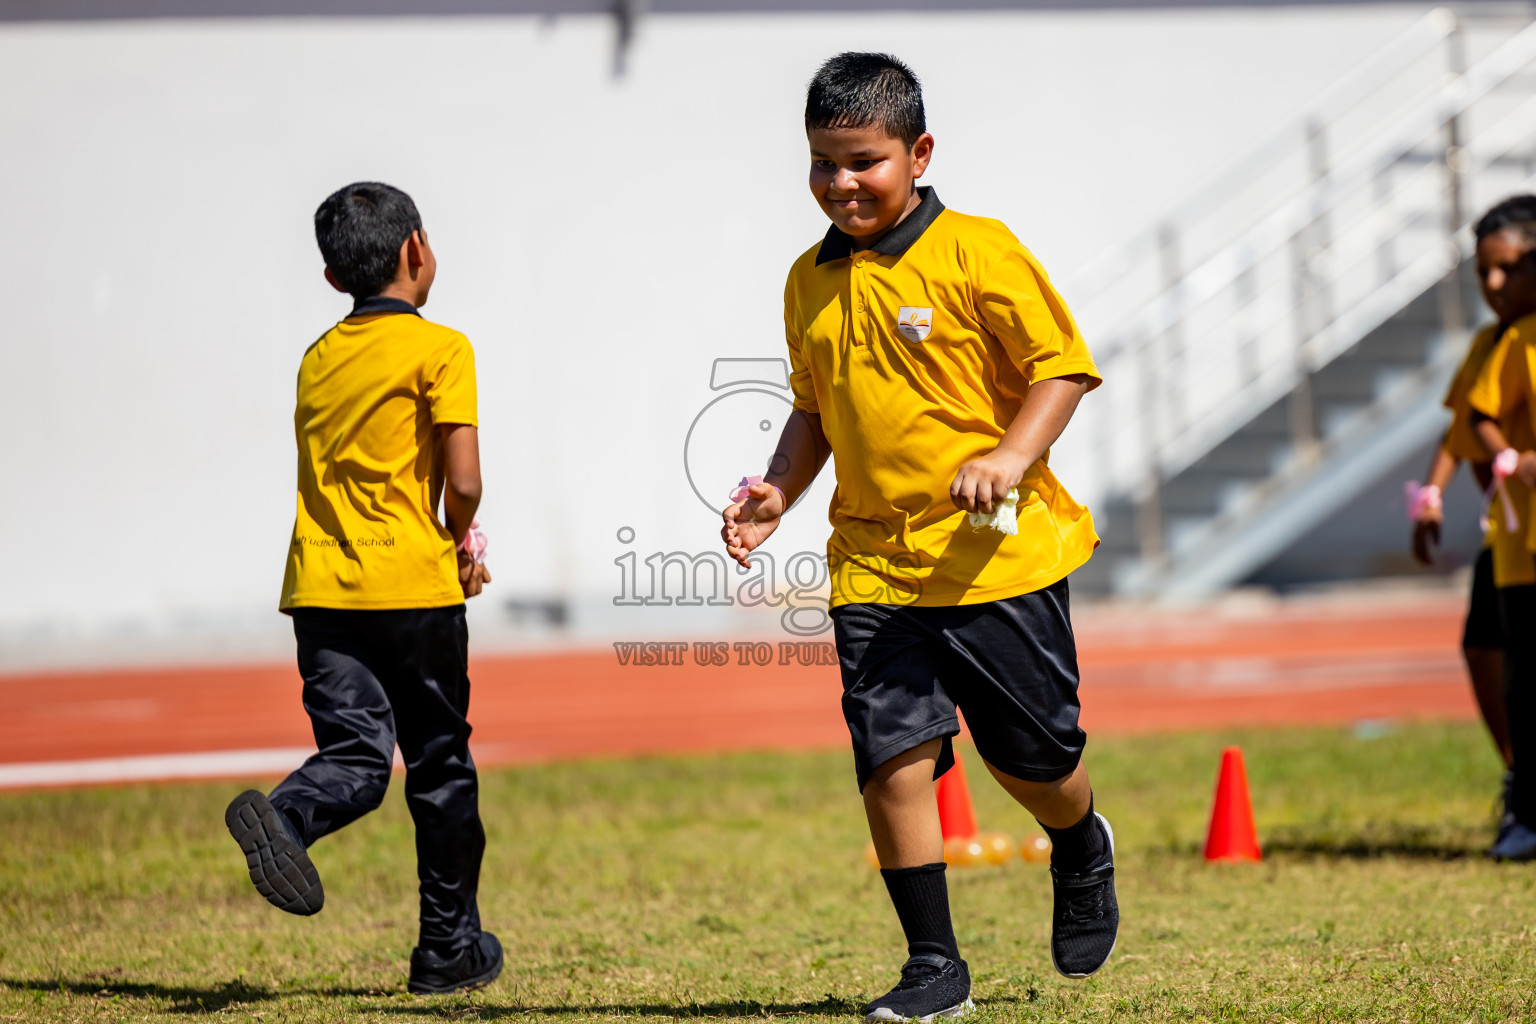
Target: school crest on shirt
(914, 322)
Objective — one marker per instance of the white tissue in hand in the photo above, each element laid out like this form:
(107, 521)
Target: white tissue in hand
(1004, 517)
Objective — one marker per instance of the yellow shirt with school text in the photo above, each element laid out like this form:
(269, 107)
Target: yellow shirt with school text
(1502, 391)
(916, 363)
(371, 392)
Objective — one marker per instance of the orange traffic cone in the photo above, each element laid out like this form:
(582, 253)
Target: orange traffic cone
(1232, 836)
(957, 819)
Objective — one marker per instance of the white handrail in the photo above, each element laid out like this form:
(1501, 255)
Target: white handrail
(1354, 323)
(1277, 228)
(1386, 298)
(1265, 295)
(1100, 272)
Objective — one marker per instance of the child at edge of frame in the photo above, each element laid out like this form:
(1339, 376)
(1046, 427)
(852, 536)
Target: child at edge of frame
(1503, 559)
(375, 583)
(931, 355)
(1503, 401)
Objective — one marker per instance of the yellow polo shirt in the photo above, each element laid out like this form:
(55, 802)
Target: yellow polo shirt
(917, 355)
(371, 392)
(1502, 391)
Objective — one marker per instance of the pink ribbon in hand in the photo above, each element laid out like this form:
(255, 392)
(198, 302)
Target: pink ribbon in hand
(474, 543)
(741, 492)
(1421, 500)
(1504, 465)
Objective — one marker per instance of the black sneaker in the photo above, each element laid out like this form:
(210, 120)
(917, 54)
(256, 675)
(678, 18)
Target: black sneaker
(1517, 843)
(1086, 918)
(931, 986)
(476, 966)
(280, 867)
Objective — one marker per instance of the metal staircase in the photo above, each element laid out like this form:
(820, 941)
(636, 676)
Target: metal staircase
(1283, 336)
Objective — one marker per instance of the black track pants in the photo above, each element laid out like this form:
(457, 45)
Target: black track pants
(371, 679)
(1518, 605)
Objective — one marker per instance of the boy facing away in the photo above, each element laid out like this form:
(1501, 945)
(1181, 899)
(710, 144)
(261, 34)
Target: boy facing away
(386, 427)
(1504, 418)
(931, 355)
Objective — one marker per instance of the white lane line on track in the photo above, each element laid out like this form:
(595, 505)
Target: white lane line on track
(205, 764)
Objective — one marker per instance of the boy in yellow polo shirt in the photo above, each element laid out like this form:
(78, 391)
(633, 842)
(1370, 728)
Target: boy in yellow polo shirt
(1504, 418)
(376, 584)
(931, 355)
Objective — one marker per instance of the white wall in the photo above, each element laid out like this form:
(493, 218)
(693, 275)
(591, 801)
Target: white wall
(601, 241)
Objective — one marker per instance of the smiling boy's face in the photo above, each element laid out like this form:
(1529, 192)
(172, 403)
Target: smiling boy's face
(1506, 270)
(864, 178)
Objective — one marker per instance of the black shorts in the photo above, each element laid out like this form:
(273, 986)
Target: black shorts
(1010, 665)
(1485, 626)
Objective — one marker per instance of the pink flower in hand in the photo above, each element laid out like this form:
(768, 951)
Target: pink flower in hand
(1505, 463)
(474, 543)
(741, 493)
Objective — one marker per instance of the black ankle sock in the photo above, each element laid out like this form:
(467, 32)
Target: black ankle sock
(921, 896)
(1077, 848)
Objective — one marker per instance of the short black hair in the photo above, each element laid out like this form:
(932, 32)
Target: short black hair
(1517, 213)
(360, 229)
(857, 90)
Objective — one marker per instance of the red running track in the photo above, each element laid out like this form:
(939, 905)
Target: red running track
(1141, 672)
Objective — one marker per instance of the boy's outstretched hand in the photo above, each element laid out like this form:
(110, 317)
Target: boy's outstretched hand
(750, 522)
(982, 484)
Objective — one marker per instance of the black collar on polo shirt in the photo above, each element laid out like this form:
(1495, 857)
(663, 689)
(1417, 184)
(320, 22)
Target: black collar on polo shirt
(382, 304)
(840, 246)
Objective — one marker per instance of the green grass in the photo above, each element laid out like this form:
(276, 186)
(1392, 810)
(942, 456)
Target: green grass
(735, 886)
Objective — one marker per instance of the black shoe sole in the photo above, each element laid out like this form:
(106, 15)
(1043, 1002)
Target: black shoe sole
(280, 868)
(958, 1010)
(481, 980)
